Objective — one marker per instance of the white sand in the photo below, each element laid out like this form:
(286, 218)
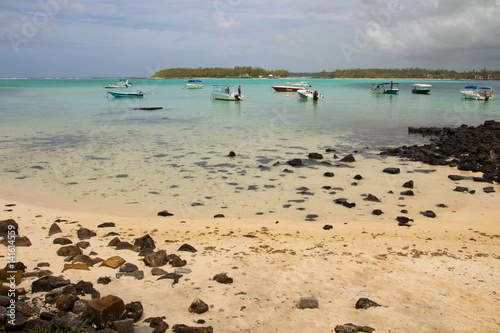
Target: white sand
(439, 275)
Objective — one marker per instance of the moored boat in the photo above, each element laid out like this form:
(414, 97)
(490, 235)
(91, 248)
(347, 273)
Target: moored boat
(385, 88)
(299, 84)
(421, 88)
(126, 94)
(477, 93)
(310, 95)
(121, 84)
(287, 88)
(225, 93)
(194, 84)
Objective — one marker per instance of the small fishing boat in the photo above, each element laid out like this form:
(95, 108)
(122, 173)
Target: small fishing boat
(121, 84)
(287, 88)
(299, 84)
(225, 93)
(385, 88)
(477, 93)
(136, 94)
(421, 88)
(310, 95)
(194, 84)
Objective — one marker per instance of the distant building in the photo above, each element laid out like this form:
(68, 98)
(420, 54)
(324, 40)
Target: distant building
(478, 77)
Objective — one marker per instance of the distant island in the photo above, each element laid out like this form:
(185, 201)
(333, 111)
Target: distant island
(219, 73)
(376, 73)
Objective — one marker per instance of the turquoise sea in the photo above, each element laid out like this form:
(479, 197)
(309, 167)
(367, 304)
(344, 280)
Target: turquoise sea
(64, 140)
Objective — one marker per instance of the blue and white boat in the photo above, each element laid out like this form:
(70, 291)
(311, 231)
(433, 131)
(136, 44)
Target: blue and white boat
(121, 84)
(194, 84)
(477, 93)
(225, 93)
(310, 95)
(385, 88)
(137, 94)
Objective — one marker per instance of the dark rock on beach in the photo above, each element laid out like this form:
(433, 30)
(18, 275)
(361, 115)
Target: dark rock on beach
(392, 171)
(223, 278)
(365, 303)
(181, 328)
(295, 162)
(466, 147)
(428, 213)
(408, 184)
(403, 221)
(351, 328)
(165, 213)
(315, 156)
(348, 159)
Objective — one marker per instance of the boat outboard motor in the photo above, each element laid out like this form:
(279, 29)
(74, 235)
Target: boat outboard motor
(315, 95)
(237, 97)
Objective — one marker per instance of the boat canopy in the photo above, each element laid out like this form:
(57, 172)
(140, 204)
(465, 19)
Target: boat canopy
(477, 87)
(194, 80)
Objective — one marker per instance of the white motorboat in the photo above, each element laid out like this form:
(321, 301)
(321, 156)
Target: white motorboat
(225, 93)
(299, 84)
(310, 95)
(421, 88)
(121, 84)
(194, 84)
(477, 93)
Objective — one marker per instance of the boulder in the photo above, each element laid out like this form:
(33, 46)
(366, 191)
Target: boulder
(69, 321)
(83, 308)
(165, 213)
(308, 303)
(351, 328)
(19, 241)
(408, 184)
(187, 248)
(113, 262)
(84, 233)
(371, 197)
(157, 259)
(48, 283)
(392, 171)
(6, 226)
(107, 309)
(329, 174)
(62, 241)
(223, 278)
(128, 268)
(198, 306)
(38, 325)
(377, 212)
(14, 325)
(54, 229)
(134, 310)
(107, 225)
(52, 296)
(145, 243)
(365, 303)
(315, 156)
(82, 258)
(123, 326)
(348, 159)
(157, 323)
(69, 251)
(295, 162)
(428, 213)
(126, 246)
(65, 303)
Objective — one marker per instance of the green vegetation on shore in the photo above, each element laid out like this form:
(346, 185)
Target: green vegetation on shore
(409, 73)
(219, 72)
(256, 72)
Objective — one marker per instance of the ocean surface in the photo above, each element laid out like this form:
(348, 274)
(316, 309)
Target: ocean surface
(67, 141)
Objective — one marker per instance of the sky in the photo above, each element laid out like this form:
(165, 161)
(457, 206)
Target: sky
(125, 38)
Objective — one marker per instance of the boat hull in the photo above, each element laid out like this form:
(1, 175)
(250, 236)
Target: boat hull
(475, 96)
(308, 95)
(421, 91)
(226, 97)
(286, 88)
(129, 95)
(194, 86)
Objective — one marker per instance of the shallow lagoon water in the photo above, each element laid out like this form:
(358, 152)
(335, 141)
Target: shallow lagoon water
(64, 141)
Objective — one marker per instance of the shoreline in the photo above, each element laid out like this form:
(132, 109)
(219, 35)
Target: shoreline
(424, 273)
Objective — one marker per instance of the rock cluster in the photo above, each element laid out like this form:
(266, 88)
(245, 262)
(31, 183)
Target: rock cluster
(466, 147)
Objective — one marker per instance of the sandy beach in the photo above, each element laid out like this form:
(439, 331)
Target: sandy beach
(434, 274)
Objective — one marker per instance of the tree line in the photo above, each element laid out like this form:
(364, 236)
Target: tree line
(219, 72)
(409, 73)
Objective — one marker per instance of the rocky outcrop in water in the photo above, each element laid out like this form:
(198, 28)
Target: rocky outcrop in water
(466, 147)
